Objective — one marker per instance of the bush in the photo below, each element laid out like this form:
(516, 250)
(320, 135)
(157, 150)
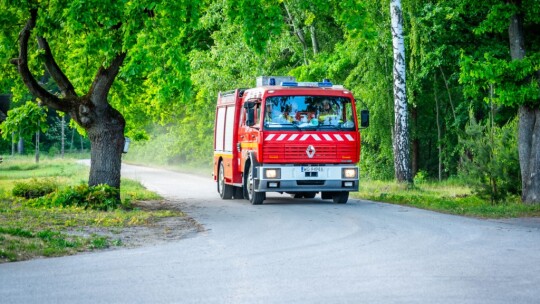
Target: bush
(420, 177)
(491, 159)
(34, 188)
(100, 197)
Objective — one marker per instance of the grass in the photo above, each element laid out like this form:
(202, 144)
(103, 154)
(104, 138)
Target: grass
(27, 232)
(447, 197)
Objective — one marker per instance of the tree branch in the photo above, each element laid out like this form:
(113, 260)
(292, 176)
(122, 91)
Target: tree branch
(22, 64)
(104, 80)
(54, 70)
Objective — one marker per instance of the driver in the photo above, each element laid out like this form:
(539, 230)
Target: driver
(327, 112)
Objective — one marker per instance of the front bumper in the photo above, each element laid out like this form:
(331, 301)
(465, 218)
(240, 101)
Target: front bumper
(306, 178)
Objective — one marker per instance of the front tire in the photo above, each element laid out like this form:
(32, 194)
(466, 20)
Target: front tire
(225, 191)
(340, 197)
(255, 198)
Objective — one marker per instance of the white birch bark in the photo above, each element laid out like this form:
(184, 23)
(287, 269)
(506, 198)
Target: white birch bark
(401, 128)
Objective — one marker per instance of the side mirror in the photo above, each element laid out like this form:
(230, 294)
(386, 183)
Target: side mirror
(364, 118)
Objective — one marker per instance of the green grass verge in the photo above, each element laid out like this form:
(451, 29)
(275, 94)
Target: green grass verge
(446, 197)
(27, 232)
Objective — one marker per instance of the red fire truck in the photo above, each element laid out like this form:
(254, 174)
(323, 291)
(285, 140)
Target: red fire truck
(284, 136)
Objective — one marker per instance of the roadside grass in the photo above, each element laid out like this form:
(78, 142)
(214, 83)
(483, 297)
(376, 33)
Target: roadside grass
(27, 232)
(451, 197)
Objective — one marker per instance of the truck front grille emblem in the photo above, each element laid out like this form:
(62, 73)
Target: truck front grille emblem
(310, 151)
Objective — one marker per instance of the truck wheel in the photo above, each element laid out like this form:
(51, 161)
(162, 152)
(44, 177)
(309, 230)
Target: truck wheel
(225, 191)
(255, 198)
(340, 197)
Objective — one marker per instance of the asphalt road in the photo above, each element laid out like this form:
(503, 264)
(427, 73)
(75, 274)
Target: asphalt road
(295, 251)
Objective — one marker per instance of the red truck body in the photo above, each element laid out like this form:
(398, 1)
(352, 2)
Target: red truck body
(298, 138)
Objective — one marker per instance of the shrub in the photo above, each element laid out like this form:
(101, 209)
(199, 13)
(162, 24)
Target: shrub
(420, 177)
(492, 161)
(34, 188)
(100, 197)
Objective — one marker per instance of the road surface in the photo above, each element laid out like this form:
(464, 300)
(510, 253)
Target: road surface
(295, 251)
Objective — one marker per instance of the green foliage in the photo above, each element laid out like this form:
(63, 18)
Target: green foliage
(24, 121)
(100, 197)
(513, 82)
(491, 160)
(34, 188)
(453, 196)
(420, 177)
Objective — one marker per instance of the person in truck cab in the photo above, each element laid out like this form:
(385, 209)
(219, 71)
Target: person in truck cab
(270, 115)
(327, 114)
(327, 108)
(276, 116)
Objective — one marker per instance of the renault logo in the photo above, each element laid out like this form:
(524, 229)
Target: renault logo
(310, 151)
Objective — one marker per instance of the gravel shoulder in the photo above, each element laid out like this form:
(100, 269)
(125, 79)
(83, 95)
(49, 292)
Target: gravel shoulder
(160, 231)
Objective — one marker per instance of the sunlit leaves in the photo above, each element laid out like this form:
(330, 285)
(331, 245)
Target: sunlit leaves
(24, 121)
(260, 20)
(513, 82)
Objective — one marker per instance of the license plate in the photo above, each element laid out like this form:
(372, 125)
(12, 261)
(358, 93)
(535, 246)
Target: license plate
(312, 169)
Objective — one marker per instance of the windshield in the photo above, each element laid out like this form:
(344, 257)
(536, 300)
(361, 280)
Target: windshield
(308, 112)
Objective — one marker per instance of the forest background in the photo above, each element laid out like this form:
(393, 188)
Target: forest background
(459, 78)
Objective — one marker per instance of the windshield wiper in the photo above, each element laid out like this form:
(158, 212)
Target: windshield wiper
(329, 127)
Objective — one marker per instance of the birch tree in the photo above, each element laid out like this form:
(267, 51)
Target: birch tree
(402, 165)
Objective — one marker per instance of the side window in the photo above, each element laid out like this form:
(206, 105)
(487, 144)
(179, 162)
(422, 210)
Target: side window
(220, 129)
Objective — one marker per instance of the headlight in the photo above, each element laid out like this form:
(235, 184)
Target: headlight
(272, 173)
(349, 173)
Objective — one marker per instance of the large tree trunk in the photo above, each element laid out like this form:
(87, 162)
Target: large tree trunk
(107, 143)
(401, 128)
(529, 123)
(529, 154)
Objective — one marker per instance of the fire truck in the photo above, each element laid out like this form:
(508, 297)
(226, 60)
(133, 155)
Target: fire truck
(300, 138)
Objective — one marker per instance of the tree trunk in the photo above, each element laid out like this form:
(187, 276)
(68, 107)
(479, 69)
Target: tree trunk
(37, 146)
(20, 145)
(314, 42)
(415, 149)
(71, 147)
(529, 154)
(12, 143)
(297, 31)
(107, 142)
(63, 122)
(529, 123)
(449, 94)
(401, 128)
(439, 139)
